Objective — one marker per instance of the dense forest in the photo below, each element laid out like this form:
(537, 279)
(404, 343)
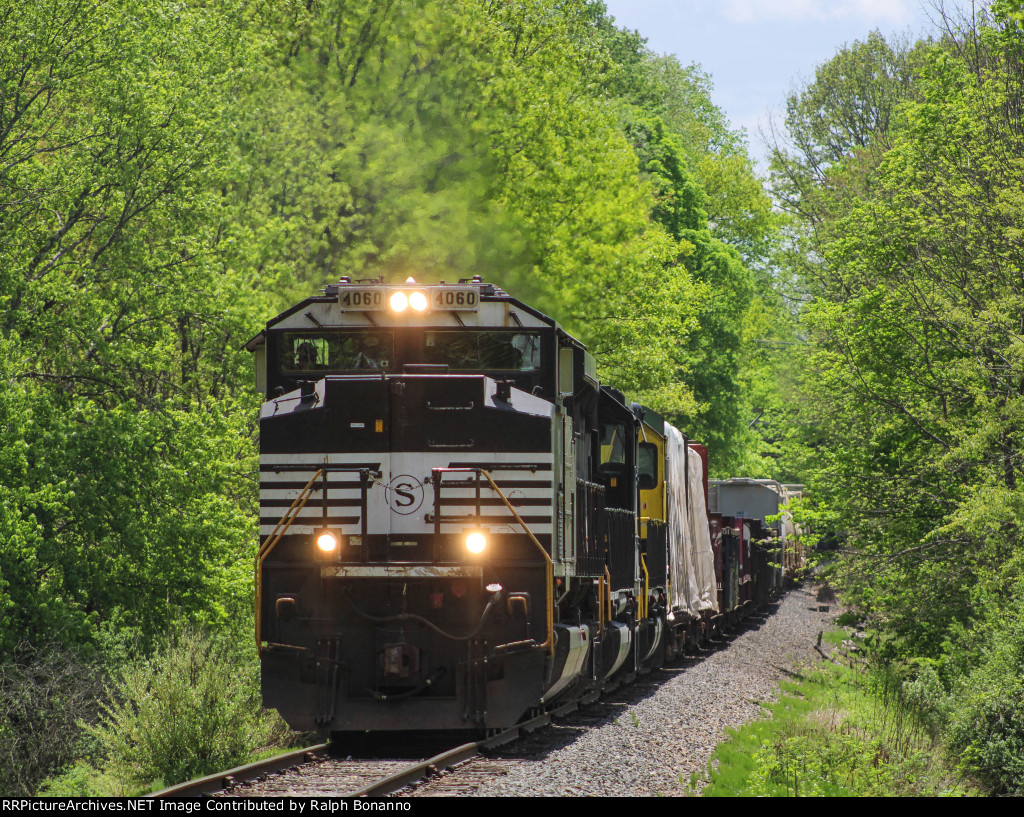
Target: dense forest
(172, 173)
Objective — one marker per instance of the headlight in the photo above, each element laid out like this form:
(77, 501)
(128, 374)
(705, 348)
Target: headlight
(399, 301)
(476, 542)
(418, 301)
(327, 541)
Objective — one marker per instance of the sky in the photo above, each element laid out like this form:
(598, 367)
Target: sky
(758, 51)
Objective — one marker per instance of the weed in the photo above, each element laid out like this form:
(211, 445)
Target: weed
(849, 619)
(837, 732)
(835, 637)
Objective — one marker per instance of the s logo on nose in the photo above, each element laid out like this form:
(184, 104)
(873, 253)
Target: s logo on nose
(405, 494)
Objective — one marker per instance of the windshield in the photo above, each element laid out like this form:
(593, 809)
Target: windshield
(336, 351)
(483, 350)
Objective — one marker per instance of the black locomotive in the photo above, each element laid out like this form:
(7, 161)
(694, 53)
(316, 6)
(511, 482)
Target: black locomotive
(460, 525)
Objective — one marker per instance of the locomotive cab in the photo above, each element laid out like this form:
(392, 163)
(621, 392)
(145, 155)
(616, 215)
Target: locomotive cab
(653, 509)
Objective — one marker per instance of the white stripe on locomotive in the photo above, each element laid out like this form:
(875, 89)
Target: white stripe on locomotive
(533, 503)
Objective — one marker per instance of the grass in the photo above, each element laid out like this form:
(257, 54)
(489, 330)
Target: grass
(835, 637)
(836, 731)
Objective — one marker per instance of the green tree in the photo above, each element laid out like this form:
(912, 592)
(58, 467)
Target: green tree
(914, 399)
(709, 199)
(476, 141)
(120, 317)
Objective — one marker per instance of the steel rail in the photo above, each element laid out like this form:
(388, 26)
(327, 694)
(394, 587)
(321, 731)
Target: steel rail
(419, 771)
(431, 767)
(243, 774)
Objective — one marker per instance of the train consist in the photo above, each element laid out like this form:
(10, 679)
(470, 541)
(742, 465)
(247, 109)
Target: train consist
(461, 525)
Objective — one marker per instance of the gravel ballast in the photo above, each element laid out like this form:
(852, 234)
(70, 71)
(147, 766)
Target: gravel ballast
(648, 739)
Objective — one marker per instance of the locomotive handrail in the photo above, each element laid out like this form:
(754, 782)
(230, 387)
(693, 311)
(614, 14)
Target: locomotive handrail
(289, 517)
(549, 642)
(647, 586)
(608, 590)
(271, 541)
(645, 605)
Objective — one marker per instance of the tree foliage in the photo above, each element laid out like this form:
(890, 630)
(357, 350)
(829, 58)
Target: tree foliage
(916, 315)
(173, 171)
(118, 355)
(708, 198)
(906, 183)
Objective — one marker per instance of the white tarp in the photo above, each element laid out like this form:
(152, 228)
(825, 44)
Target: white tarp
(691, 559)
(703, 556)
(790, 530)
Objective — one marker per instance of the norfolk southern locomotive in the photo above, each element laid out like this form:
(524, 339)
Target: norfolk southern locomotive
(461, 526)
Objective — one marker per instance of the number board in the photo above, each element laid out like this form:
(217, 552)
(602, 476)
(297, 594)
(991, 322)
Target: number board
(363, 300)
(454, 299)
(442, 299)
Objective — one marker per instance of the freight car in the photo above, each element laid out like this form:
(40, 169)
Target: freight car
(461, 525)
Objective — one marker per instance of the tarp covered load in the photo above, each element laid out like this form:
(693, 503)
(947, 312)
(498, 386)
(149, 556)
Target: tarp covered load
(691, 560)
(790, 529)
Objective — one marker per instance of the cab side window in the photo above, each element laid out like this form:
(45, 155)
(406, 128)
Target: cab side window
(647, 466)
(613, 450)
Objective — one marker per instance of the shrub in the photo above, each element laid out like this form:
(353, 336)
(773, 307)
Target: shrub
(989, 736)
(44, 698)
(927, 698)
(81, 779)
(986, 732)
(192, 709)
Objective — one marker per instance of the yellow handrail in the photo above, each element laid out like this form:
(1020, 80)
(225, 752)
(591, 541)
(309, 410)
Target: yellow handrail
(549, 644)
(271, 542)
(647, 587)
(299, 503)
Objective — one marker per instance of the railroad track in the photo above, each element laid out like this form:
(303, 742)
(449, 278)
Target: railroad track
(240, 775)
(314, 772)
(319, 771)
